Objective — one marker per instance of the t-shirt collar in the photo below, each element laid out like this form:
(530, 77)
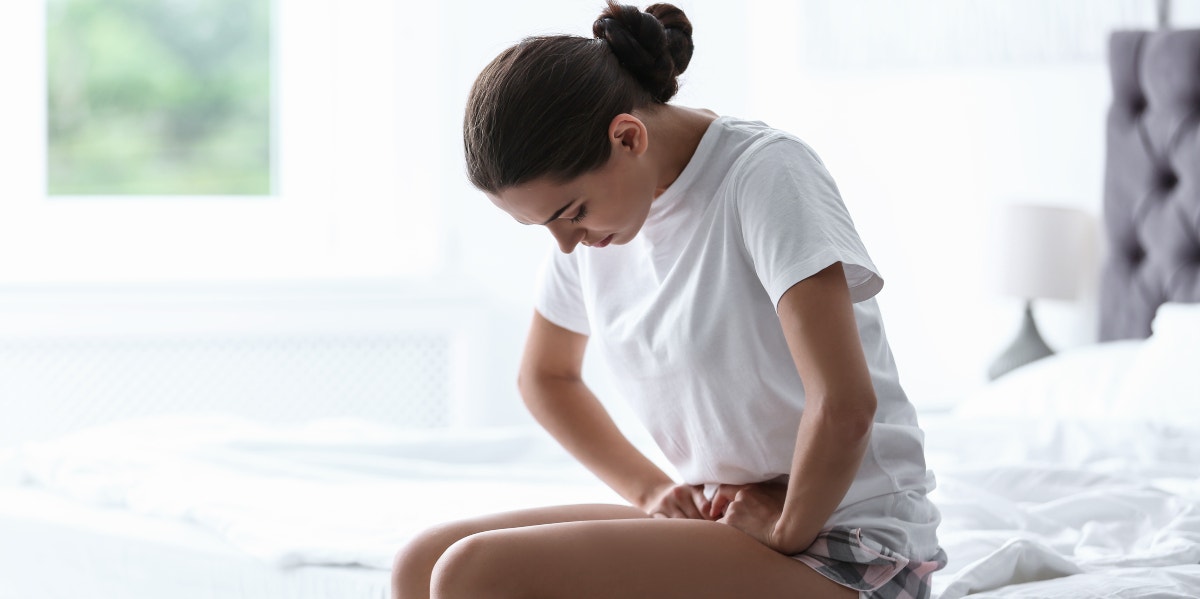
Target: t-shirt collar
(691, 171)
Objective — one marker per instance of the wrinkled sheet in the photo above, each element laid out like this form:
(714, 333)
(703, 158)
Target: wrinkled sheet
(1030, 508)
(1044, 508)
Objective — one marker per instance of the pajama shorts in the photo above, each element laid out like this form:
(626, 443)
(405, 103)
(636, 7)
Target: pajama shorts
(844, 556)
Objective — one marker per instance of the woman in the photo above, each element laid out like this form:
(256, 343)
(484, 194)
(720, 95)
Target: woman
(724, 281)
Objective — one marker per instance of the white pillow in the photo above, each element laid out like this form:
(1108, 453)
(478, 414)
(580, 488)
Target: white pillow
(1163, 382)
(1079, 383)
(1176, 320)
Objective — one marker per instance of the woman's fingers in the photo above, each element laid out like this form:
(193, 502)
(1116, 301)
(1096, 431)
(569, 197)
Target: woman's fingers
(724, 496)
(684, 499)
(700, 501)
(689, 501)
(755, 510)
(681, 501)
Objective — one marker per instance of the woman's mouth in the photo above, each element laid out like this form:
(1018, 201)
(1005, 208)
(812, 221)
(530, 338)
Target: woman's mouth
(604, 242)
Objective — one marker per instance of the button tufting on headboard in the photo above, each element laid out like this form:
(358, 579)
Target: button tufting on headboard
(1167, 180)
(1152, 179)
(1135, 254)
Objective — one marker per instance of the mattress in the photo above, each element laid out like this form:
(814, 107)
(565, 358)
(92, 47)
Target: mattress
(53, 547)
(208, 506)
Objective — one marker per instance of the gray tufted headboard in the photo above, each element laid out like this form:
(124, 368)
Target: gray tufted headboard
(1152, 180)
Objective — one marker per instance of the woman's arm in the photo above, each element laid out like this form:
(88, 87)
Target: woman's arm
(818, 321)
(552, 386)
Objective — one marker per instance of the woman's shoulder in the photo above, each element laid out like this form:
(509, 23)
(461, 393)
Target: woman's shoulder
(760, 155)
(754, 143)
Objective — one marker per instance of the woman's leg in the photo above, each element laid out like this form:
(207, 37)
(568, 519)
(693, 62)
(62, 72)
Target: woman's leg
(414, 564)
(632, 559)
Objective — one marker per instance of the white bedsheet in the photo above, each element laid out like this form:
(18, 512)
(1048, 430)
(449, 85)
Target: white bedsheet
(328, 493)
(1061, 507)
(52, 547)
(1078, 502)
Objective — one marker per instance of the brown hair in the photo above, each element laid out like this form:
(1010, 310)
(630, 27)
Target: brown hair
(543, 106)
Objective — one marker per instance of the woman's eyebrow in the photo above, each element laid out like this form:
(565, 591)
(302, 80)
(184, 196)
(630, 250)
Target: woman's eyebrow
(557, 214)
(560, 211)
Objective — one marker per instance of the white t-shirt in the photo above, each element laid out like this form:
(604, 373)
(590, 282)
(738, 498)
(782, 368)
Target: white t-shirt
(684, 314)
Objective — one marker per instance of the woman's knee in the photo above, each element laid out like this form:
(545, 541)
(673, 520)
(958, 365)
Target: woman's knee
(413, 564)
(476, 565)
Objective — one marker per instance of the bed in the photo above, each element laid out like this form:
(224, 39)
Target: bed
(1076, 476)
(194, 505)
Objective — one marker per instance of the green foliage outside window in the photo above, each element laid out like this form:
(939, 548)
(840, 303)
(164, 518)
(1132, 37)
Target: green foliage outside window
(158, 97)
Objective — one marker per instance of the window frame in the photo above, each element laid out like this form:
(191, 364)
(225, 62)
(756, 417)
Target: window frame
(352, 195)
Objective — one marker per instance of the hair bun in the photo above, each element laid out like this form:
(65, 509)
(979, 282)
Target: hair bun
(655, 46)
(679, 33)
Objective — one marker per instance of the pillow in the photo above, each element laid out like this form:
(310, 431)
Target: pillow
(1163, 381)
(1174, 320)
(1078, 383)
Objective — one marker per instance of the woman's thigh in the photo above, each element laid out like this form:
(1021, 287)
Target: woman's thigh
(415, 562)
(632, 559)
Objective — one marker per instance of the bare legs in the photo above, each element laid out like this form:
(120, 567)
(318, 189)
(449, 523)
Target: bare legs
(413, 569)
(598, 552)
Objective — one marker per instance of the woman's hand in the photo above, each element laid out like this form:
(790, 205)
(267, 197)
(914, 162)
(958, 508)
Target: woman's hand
(678, 501)
(753, 509)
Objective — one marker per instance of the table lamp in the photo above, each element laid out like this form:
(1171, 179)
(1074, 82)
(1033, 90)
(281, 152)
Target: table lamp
(1042, 253)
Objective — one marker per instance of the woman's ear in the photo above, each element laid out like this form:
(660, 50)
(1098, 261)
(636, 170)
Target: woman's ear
(628, 133)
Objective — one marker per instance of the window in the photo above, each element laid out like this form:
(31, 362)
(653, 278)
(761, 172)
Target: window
(337, 181)
(152, 97)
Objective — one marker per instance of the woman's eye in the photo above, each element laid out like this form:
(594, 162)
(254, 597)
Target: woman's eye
(579, 215)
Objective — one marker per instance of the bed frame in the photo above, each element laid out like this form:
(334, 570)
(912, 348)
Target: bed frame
(1152, 179)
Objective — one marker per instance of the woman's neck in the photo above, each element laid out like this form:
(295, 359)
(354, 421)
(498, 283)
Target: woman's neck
(675, 132)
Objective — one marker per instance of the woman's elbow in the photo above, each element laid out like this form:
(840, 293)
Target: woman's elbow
(536, 386)
(528, 386)
(852, 415)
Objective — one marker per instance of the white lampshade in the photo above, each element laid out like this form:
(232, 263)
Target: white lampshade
(1043, 251)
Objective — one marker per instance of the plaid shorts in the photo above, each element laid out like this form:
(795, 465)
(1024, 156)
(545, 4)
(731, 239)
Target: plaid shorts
(845, 557)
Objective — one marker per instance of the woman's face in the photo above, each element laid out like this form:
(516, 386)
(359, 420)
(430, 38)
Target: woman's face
(604, 206)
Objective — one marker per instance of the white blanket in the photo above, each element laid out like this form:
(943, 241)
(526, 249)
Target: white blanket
(1072, 504)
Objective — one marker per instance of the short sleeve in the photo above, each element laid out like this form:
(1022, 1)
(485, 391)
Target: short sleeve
(793, 221)
(559, 296)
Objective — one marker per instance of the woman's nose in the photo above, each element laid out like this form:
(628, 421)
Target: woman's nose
(567, 236)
